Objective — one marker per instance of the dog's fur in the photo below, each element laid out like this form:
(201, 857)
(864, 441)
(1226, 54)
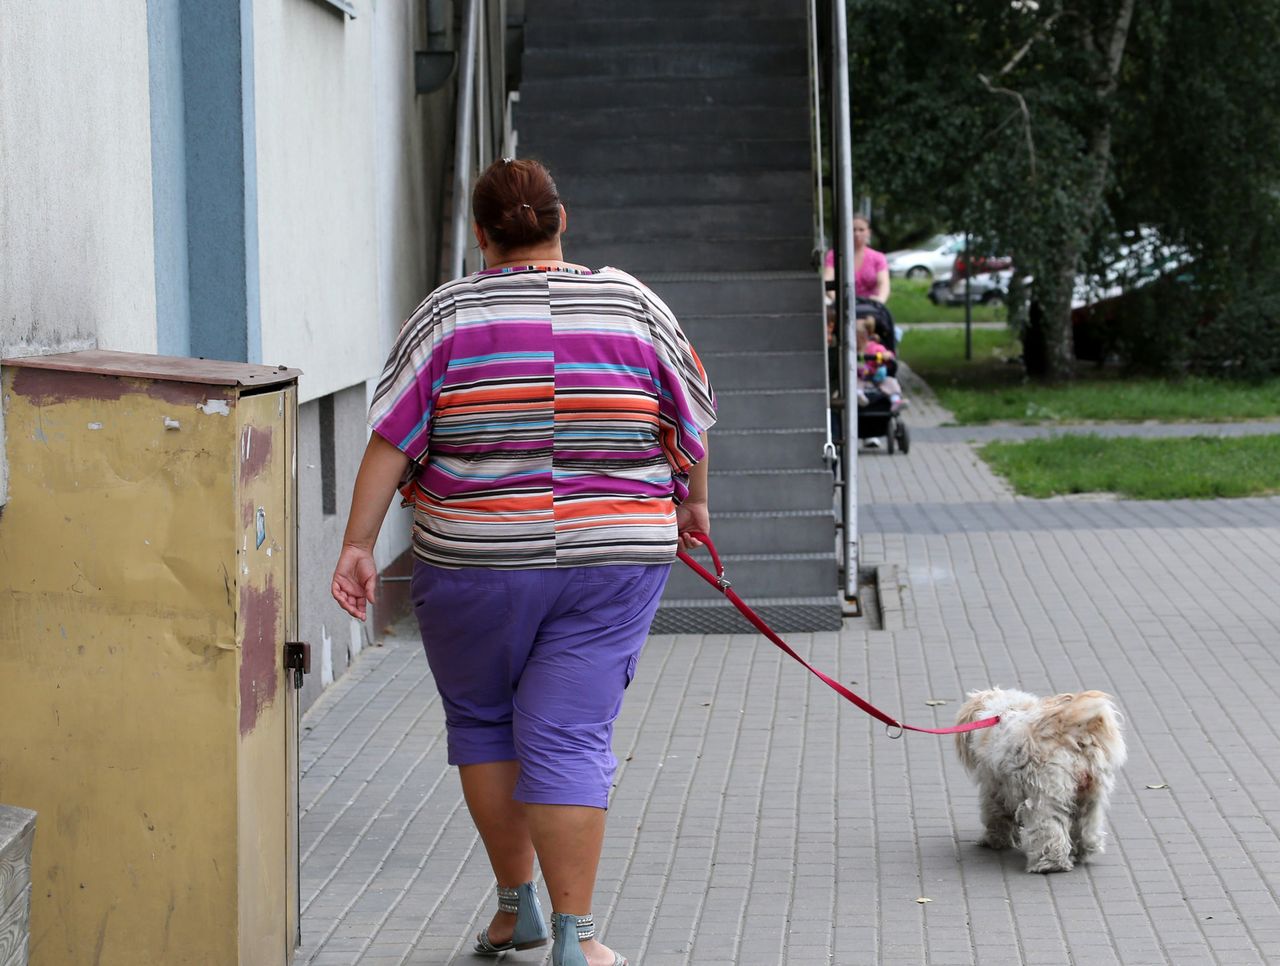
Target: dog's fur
(1045, 772)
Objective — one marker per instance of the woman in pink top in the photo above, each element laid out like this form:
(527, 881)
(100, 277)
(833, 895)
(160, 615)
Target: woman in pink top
(870, 269)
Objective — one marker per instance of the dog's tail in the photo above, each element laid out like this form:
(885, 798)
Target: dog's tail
(1090, 719)
(973, 709)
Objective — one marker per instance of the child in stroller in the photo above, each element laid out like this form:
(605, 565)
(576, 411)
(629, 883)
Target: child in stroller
(880, 399)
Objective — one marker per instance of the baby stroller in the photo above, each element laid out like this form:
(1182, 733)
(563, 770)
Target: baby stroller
(877, 420)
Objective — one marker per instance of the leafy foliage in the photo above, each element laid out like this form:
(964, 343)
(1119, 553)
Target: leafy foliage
(1006, 117)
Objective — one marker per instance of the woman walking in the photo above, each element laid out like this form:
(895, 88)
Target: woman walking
(548, 423)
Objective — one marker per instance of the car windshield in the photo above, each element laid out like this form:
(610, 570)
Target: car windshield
(934, 243)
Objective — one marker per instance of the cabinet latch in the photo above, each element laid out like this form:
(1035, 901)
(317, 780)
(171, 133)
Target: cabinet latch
(297, 658)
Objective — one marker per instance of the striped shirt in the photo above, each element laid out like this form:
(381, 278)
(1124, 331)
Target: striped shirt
(554, 416)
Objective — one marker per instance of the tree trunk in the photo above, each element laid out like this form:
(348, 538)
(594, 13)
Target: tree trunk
(1057, 279)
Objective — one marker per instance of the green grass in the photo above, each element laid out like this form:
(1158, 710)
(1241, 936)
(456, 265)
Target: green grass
(1198, 467)
(991, 389)
(909, 303)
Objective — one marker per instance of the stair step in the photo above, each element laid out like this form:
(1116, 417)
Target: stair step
(568, 157)
(811, 615)
(771, 409)
(795, 447)
(767, 370)
(675, 60)
(542, 33)
(588, 10)
(652, 255)
(774, 532)
(583, 94)
(591, 188)
(765, 490)
(741, 294)
(773, 332)
(744, 219)
(761, 575)
(684, 123)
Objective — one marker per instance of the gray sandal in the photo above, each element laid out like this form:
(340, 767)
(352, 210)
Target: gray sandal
(569, 931)
(531, 929)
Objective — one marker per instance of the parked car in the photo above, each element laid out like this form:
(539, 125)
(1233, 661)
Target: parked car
(986, 288)
(935, 257)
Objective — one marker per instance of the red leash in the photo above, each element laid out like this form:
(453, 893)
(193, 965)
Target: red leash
(721, 583)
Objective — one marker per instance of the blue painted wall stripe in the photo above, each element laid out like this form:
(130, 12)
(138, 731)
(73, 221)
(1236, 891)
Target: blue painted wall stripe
(221, 188)
(168, 178)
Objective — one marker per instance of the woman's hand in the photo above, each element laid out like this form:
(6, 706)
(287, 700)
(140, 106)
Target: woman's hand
(692, 516)
(354, 580)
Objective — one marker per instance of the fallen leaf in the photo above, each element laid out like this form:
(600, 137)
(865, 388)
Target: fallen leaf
(923, 899)
(1161, 785)
(935, 702)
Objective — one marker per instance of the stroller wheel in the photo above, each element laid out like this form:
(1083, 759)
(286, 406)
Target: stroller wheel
(904, 437)
(890, 440)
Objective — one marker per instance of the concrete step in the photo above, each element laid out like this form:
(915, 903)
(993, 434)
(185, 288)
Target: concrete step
(771, 409)
(767, 370)
(786, 332)
(543, 33)
(641, 188)
(807, 615)
(744, 219)
(774, 532)
(792, 448)
(588, 94)
(689, 122)
(564, 11)
(768, 490)
(675, 60)
(736, 294)
(760, 575)
(569, 158)
(692, 254)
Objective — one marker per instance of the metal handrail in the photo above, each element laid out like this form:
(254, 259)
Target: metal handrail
(820, 228)
(842, 183)
(842, 192)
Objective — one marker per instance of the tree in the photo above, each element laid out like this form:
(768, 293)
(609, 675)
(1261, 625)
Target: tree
(1048, 128)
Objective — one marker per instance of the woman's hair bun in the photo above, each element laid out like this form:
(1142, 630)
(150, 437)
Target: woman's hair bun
(516, 203)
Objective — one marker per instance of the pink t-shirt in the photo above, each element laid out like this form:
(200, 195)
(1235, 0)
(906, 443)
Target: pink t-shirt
(865, 279)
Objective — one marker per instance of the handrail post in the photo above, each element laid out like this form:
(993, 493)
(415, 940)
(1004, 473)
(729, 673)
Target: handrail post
(464, 134)
(843, 184)
(820, 231)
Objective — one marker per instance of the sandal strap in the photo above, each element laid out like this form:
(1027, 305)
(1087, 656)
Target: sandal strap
(508, 899)
(586, 926)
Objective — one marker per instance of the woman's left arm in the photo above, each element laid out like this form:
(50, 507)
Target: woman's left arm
(882, 283)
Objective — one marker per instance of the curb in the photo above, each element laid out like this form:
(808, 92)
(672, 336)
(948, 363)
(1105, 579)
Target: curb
(890, 594)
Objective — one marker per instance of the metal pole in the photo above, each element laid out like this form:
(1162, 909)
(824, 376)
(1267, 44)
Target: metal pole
(844, 221)
(968, 297)
(463, 137)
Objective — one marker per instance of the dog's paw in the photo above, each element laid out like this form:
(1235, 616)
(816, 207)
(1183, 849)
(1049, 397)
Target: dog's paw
(1046, 865)
(998, 841)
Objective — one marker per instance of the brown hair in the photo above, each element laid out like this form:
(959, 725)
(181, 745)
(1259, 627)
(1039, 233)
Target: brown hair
(516, 203)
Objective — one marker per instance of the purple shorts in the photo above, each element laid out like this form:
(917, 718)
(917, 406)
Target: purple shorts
(531, 666)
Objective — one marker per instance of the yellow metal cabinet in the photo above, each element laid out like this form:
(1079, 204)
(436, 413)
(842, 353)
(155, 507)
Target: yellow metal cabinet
(148, 575)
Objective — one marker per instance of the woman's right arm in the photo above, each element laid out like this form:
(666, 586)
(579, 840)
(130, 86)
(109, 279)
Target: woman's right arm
(692, 514)
(356, 575)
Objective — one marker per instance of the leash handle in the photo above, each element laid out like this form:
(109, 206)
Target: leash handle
(721, 583)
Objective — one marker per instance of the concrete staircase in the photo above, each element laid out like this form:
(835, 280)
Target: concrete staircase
(678, 133)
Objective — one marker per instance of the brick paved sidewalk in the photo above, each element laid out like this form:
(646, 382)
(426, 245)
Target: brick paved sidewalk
(759, 821)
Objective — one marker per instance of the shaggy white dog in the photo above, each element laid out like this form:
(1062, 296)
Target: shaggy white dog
(1045, 772)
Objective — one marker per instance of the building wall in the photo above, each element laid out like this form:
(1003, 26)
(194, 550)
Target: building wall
(75, 181)
(121, 199)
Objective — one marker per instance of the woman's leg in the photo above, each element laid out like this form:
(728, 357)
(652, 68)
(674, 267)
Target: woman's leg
(569, 839)
(565, 706)
(500, 820)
